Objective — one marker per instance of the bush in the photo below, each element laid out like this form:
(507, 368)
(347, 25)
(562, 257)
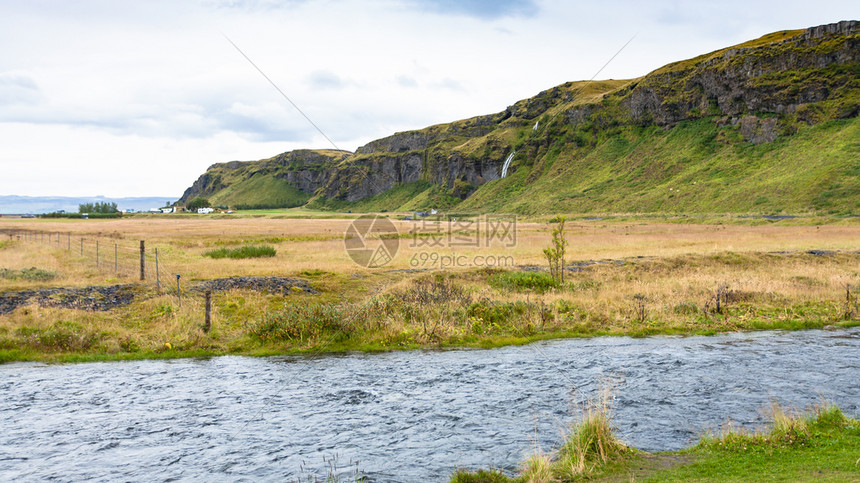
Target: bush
(247, 251)
(305, 323)
(198, 202)
(537, 281)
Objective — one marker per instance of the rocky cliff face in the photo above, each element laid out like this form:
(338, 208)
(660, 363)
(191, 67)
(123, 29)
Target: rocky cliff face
(306, 170)
(777, 77)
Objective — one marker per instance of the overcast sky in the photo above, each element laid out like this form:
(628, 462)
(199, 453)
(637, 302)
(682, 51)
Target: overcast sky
(138, 98)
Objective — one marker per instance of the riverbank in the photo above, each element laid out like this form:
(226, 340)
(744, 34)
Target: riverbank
(63, 298)
(821, 444)
(335, 313)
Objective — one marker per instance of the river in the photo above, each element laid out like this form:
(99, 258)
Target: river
(403, 416)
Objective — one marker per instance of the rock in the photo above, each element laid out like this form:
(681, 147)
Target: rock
(758, 131)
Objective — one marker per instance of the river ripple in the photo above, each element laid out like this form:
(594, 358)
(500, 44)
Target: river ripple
(406, 416)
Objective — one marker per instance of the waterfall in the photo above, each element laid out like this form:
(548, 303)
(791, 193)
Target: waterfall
(507, 163)
(536, 126)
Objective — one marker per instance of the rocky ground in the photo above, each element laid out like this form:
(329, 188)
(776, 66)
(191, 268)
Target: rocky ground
(87, 298)
(281, 285)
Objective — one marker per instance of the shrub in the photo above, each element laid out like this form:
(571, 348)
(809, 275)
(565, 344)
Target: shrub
(537, 281)
(64, 336)
(247, 251)
(487, 316)
(555, 254)
(305, 323)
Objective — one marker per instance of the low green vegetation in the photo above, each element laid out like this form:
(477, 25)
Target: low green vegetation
(246, 251)
(821, 444)
(522, 281)
(31, 274)
(80, 215)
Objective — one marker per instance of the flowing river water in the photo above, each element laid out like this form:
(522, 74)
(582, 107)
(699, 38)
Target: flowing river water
(404, 416)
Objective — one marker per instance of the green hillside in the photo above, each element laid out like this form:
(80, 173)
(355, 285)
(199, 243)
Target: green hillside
(260, 192)
(698, 166)
(766, 126)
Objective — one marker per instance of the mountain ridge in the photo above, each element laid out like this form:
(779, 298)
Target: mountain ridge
(755, 102)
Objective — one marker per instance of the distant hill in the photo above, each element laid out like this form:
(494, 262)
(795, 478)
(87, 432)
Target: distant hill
(49, 204)
(766, 126)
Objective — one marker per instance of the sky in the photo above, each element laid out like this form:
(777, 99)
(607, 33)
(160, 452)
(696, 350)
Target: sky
(138, 98)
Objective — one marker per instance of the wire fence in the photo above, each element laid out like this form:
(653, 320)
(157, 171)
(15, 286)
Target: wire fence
(127, 260)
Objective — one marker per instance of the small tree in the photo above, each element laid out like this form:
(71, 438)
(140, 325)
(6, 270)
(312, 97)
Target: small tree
(555, 254)
(198, 202)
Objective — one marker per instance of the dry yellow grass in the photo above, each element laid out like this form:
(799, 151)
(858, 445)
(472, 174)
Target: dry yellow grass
(671, 271)
(307, 244)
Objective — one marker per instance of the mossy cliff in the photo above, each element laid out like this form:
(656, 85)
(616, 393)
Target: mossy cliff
(769, 125)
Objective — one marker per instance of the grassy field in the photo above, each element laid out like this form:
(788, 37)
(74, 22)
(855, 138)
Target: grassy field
(630, 275)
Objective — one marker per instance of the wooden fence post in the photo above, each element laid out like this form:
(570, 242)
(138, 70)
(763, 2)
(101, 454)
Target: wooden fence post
(207, 323)
(142, 261)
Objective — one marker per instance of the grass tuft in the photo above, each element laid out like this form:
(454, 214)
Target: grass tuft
(481, 476)
(537, 468)
(789, 428)
(592, 442)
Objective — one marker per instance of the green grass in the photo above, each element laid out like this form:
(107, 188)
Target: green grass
(695, 167)
(417, 195)
(820, 445)
(247, 251)
(260, 191)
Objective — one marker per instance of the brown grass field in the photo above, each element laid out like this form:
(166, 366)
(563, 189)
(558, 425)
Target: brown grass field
(652, 277)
